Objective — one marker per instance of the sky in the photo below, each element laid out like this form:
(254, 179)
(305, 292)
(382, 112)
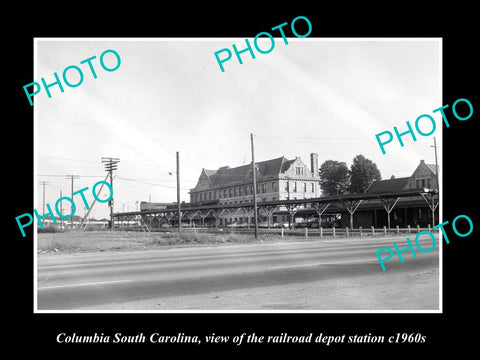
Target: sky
(328, 96)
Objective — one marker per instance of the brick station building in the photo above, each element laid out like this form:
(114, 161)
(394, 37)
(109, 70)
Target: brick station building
(277, 179)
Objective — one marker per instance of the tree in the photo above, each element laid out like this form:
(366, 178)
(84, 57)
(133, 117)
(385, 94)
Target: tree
(334, 177)
(363, 172)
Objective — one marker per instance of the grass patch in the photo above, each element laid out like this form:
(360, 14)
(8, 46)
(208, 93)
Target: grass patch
(50, 229)
(99, 241)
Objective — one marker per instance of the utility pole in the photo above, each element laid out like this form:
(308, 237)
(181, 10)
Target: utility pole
(61, 211)
(84, 221)
(71, 177)
(178, 195)
(436, 160)
(438, 181)
(254, 189)
(43, 183)
(110, 165)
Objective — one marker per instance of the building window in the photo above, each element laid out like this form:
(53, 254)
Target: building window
(313, 187)
(286, 186)
(234, 191)
(304, 187)
(215, 194)
(274, 186)
(428, 183)
(219, 194)
(417, 183)
(210, 195)
(258, 188)
(240, 191)
(299, 170)
(274, 199)
(225, 193)
(294, 186)
(419, 213)
(246, 190)
(264, 188)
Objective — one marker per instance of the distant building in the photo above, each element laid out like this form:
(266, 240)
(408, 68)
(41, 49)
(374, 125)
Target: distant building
(424, 176)
(153, 206)
(407, 211)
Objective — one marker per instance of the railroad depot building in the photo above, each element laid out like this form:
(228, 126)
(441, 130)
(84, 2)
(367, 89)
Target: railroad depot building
(406, 211)
(277, 179)
(283, 179)
(224, 197)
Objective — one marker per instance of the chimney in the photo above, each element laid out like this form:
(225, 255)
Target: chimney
(314, 163)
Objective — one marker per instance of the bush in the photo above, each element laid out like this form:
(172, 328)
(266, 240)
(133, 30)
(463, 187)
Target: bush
(49, 229)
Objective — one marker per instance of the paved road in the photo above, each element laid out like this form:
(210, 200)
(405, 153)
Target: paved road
(187, 277)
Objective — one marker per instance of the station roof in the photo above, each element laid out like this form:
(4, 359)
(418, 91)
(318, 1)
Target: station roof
(388, 186)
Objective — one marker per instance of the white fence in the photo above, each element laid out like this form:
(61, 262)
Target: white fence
(299, 232)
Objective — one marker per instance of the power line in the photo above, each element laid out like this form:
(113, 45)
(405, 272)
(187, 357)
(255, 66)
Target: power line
(79, 176)
(149, 129)
(308, 137)
(147, 183)
(65, 159)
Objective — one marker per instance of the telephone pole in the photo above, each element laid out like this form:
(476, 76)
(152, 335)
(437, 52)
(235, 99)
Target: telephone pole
(61, 212)
(254, 189)
(71, 177)
(436, 161)
(438, 182)
(110, 165)
(178, 195)
(43, 183)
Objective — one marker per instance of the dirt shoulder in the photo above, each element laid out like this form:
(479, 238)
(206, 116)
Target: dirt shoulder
(104, 241)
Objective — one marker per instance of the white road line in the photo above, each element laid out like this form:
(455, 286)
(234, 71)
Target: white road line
(319, 264)
(84, 284)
